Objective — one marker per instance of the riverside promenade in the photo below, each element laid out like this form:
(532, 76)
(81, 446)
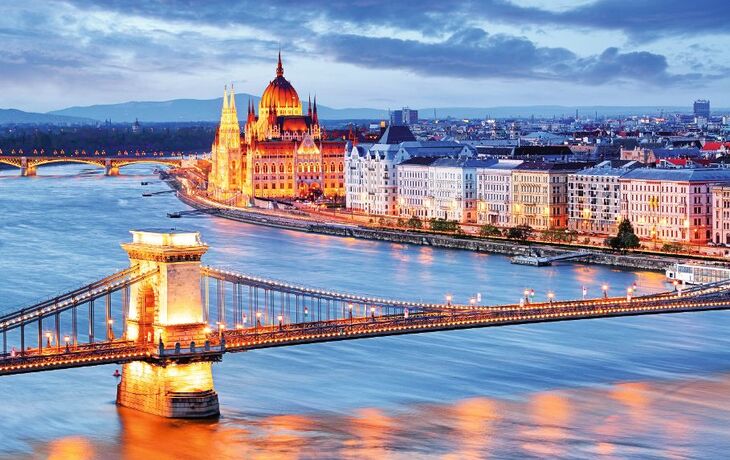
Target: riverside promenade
(304, 222)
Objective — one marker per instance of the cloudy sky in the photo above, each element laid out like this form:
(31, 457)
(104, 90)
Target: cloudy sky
(367, 53)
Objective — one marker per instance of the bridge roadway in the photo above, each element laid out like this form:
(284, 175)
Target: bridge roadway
(713, 297)
(27, 164)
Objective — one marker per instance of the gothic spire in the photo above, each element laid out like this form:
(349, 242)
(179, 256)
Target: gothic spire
(280, 68)
(225, 97)
(315, 118)
(232, 104)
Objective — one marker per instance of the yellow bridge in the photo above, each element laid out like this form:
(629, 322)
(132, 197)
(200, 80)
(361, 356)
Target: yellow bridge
(167, 318)
(28, 164)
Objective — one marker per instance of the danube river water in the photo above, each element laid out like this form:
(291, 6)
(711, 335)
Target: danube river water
(644, 387)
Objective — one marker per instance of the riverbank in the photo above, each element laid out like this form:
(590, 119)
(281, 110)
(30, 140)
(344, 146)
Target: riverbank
(280, 219)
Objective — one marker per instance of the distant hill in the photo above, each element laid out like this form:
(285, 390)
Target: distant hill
(196, 110)
(208, 110)
(14, 116)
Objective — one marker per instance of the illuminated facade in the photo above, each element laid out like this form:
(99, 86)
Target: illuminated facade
(671, 204)
(282, 153)
(594, 197)
(494, 192)
(540, 194)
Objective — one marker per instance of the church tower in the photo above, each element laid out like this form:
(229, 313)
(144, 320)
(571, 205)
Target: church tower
(225, 179)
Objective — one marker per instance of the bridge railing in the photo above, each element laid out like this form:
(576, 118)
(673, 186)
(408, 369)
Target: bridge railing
(57, 318)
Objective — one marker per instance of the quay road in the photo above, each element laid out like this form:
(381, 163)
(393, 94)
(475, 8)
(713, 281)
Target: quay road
(355, 327)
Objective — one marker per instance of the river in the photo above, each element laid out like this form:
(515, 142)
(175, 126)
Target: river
(643, 387)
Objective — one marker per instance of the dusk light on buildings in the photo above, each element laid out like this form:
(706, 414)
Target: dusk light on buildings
(474, 229)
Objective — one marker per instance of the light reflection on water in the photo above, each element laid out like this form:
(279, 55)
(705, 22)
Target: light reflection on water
(645, 387)
(633, 419)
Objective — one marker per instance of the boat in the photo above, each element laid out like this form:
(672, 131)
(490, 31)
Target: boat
(697, 273)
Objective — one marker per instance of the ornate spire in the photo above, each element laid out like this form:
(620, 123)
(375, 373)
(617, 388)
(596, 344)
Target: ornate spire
(232, 104)
(309, 106)
(280, 68)
(315, 118)
(225, 97)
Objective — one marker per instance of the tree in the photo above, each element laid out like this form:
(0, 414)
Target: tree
(414, 222)
(443, 225)
(625, 237)
(521, 232)
(489, 230)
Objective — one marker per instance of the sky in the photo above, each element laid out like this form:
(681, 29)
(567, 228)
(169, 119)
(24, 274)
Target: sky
(367, 53)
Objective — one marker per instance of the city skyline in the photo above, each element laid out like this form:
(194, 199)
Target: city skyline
(82, 52)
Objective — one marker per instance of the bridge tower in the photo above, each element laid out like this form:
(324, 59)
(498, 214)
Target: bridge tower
(166, 314)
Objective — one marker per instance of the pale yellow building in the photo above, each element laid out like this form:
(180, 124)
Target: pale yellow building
(540, 194)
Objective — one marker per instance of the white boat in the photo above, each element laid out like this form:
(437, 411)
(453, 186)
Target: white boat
(697, 273)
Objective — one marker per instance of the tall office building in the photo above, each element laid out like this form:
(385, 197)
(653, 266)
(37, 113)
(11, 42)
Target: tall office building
(404, 117)
(702, 109)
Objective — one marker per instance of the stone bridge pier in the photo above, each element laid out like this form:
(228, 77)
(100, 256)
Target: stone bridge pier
(27, 169)
(165, 310)
(110, 169)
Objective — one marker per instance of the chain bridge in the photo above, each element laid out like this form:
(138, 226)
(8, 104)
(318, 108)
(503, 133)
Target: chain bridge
(167, 318)
(29, 164)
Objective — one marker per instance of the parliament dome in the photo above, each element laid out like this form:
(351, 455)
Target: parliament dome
(280, 93)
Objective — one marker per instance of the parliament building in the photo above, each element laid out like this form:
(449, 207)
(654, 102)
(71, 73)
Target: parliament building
(282, 153)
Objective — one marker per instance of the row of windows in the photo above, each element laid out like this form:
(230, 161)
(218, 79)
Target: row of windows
(303, 167)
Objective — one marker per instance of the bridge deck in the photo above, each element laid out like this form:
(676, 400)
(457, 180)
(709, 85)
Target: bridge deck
(238, 340)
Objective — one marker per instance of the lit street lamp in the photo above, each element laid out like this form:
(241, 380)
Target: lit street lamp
(281, 322)
(551, 296)
(67, 340)
(448, 299)
(48, 340)
(605, 291)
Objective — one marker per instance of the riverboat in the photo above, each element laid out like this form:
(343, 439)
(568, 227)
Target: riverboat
(697, 273)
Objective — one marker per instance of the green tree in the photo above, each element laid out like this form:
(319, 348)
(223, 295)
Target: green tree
(625, 237)
(414, 222)
(443, 225)
(489, 230)
(520, 232)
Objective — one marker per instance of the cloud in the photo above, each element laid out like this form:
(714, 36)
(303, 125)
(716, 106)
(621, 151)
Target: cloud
(473, 53)
(639, 19)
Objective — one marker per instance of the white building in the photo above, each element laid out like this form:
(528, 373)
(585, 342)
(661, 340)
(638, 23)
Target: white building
(594, 197)
(441, 188)
(494, 192)
(370, 178)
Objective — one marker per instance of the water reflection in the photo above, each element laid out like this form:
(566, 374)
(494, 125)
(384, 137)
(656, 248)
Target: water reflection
(662, 419)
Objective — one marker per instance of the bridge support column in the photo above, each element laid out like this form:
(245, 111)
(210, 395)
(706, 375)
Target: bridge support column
(26, 169)
(110, 169)
(166, 310)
